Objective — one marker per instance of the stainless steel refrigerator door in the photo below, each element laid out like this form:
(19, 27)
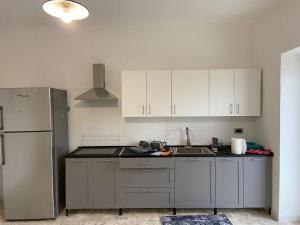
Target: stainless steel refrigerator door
(28, 176)
(25, 109)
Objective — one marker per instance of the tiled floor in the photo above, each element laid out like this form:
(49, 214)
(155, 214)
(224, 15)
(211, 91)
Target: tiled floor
(146, 217)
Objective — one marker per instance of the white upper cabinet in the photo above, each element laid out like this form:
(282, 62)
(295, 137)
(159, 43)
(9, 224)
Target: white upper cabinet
(190, 93)
(221, 93)
(159, 93)
(248, 92)
(235, 92)
(134, 93)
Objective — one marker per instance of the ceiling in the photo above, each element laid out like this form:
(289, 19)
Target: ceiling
(245, 12)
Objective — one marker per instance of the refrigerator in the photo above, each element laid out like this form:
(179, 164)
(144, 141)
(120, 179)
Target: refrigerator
(34, 143)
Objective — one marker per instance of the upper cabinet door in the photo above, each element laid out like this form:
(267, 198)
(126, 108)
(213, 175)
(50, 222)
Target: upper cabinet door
(248, 92)
(134, 93)
(190, 93)
(158, 93)
(221, 93)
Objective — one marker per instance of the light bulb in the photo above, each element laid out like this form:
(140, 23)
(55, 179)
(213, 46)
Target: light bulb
(66, 19)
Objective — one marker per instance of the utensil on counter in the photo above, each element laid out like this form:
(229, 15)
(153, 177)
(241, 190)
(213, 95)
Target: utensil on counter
(157, 145)
(214, 144)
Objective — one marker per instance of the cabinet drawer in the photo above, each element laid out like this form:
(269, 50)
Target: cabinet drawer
(146, 198)
(146, 178)
(147, 163)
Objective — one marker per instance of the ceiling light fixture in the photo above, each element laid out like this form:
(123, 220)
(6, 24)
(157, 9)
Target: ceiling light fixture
(66, 10)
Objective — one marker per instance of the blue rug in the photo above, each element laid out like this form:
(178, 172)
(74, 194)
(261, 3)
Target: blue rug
(219, 219)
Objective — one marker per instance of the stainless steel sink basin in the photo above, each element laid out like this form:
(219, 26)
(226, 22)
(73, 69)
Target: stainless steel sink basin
(194, 150)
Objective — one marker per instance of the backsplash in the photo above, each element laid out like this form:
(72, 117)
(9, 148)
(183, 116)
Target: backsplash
(95, 123)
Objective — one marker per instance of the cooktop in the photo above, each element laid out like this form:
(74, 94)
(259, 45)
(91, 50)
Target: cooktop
(96, 151)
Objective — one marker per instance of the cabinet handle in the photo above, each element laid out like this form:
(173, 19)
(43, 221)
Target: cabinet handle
(237, 108)
(229, 160)
(143, 110)
(149, 109)
(2, 149)
(230, 108)
(105, 161)
(1, 118)
(194, 160)
(257, 159)
(78, 161)
(149, 164)
(147, 171)
(146, 191)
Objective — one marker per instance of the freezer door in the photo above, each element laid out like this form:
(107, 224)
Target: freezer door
(27, 176)
(25, 109)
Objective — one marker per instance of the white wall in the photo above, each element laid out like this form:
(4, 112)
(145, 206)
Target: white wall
(62, 57)
(275, 34)
(289, 135)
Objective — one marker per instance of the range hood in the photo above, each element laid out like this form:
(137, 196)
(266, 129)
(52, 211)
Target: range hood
(98, 92)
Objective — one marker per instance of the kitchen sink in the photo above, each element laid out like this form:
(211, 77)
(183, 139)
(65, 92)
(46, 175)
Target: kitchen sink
(194, 150)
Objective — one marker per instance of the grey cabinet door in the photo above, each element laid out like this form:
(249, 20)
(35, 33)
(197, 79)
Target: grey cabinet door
(77, 183)
(195, 183)
(229, 182)
(257, 182)
(103, 183)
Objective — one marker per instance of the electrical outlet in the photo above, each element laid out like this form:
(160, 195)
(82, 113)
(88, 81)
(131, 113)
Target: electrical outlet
(238, 130)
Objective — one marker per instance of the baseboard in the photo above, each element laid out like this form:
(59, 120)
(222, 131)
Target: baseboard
(274, 215)
(285, 219)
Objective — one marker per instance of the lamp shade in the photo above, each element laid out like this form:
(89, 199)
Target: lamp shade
(66, 10)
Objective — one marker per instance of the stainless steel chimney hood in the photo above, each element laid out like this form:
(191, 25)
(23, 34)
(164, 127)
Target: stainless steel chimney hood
(98, 92)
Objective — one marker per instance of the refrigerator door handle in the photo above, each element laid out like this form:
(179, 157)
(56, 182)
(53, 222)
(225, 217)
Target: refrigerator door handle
(1, 118)
(2, 149)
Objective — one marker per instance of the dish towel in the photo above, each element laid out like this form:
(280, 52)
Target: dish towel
(252, 145)
(259, 151)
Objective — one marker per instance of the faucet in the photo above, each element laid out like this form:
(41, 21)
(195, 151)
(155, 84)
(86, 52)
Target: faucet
(188, 139)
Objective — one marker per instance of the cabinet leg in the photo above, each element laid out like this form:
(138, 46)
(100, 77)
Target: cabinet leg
(174, 211)
(67, 212)
(120, 212)
(215, 211)
(269, 211)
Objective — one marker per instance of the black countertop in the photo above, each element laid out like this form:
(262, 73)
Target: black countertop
(115, 152)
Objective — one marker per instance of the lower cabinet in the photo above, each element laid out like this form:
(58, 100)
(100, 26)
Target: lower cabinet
(229, 182)
(77, 183)
(90, 183)
(183, 182)
(257, 182)
(195, 182)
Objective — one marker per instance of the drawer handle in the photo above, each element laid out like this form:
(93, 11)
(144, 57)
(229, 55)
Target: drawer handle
(147, 171)
(229, 160)
(257, 159)
(147, 164)
(105, 161)
(78, 161)
(194, 160)
(146, 191)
